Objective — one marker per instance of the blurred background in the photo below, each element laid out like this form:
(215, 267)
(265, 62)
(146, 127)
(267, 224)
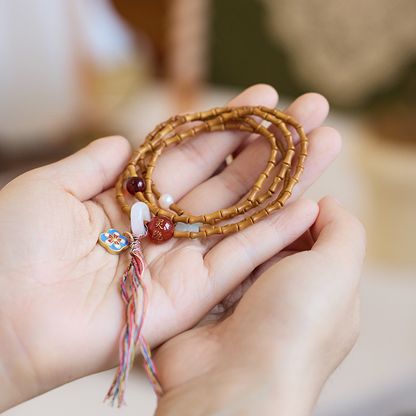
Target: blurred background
(72, 71)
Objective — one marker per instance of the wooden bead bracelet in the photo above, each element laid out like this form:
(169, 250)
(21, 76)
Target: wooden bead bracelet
(161, 227)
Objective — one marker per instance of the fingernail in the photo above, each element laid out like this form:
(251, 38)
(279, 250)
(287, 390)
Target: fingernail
(338, 201)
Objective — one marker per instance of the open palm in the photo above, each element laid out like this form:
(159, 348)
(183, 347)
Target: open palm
(278, 335)
(60, 306)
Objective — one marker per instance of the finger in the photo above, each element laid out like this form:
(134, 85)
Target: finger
(182, 168)
(91, 170)
(239, 254)
(227, 188)
(338, 235)
(325, 145)
(310, 110)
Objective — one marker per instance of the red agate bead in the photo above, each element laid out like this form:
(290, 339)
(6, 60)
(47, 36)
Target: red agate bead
(160, 229)
(135, 184)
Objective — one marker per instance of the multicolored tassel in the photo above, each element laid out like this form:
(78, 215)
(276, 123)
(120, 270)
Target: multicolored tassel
(131, 333)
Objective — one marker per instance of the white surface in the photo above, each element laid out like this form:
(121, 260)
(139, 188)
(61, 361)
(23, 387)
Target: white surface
(85, 397)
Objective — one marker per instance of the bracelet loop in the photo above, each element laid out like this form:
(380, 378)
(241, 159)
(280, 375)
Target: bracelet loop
(226, 118)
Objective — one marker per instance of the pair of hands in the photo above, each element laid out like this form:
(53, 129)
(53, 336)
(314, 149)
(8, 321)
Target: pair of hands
(60, 306)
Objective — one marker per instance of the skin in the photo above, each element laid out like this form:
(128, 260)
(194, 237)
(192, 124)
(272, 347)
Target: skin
(274, 308)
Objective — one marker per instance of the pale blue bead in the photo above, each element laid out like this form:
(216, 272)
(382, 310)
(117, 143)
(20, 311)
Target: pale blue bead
(181, 226)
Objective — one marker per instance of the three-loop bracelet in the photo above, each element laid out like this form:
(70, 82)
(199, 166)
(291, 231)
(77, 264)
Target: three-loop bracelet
(167, 214)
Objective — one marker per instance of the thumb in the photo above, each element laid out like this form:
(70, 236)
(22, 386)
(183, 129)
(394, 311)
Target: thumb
(92, 169)
(338, 234)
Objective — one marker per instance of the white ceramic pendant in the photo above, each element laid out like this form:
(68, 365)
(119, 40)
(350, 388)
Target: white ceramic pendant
(139, 213)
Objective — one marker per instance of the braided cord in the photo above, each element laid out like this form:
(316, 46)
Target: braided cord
(131, 333)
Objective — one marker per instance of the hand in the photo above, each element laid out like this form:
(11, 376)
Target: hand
(60, 308)
(270, 345)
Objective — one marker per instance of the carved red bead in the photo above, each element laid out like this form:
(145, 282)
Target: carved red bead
(135, 184)
(160, 229)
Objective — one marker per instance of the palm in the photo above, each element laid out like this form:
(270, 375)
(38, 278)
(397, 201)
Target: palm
(302, 294)
(67, 300)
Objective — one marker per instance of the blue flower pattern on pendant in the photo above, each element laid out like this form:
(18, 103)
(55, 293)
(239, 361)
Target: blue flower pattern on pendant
(113, 241)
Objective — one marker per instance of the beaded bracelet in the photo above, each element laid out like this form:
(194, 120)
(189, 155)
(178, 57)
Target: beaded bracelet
(227, 118)
(169, 220)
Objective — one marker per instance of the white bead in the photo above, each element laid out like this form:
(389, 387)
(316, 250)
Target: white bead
(139, 213)
(165, 201)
